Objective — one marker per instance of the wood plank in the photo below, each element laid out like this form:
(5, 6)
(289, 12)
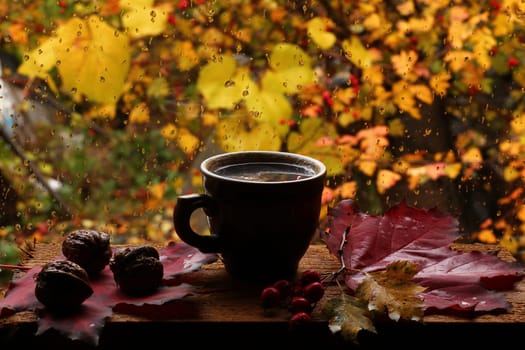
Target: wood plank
(224, 308)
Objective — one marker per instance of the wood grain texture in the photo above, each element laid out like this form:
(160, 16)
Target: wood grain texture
(223, 308)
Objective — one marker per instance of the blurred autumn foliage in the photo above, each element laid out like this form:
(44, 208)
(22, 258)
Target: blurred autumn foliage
(414, 100)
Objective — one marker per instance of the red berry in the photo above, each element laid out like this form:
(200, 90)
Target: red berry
(300, 304)
(284, 287)
(512, 62)
(299, 319)
(313, 292)
(270, 297)
(309, 276)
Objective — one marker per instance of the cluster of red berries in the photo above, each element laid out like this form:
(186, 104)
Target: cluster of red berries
(299, 297)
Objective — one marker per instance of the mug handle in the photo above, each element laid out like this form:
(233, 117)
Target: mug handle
(184, 207)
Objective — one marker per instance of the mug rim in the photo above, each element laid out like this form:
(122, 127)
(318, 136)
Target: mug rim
(318, 166)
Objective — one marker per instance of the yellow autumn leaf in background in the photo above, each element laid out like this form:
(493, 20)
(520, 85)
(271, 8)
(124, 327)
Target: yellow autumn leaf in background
(386, 179)
(484, 41)
(292, 68)
(457, 59)
(453, 170)
(91, 57)
(422, 92)
(240, 133)
(221, 83)
(473, 156)
(18, 34)
(141, 18)
(139, 114)
(185, 55)
(404, 99)
(518, 124)
(404, 63)
(316, 139)
(268, 105)
(169, 131)
(317, 30)
(440, 83)
(367, 167)
(357, 53)
(187, 142)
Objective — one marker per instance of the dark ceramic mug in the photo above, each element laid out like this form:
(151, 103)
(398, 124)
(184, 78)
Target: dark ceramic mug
(263, 210)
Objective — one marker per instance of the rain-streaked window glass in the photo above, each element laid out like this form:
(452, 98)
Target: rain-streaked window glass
(108, 107)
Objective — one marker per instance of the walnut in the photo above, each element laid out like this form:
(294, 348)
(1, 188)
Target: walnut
(137, 270)
(62, 286)
(89, 248)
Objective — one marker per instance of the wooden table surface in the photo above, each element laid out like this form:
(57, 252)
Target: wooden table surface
(232, 315)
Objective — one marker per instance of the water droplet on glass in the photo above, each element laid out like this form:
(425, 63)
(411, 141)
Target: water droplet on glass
(102, 79)
(229, 83)
(245, 93)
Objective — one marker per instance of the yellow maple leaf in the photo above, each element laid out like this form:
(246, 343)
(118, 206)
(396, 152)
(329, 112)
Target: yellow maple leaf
(453, 170)
(391, 292)
(169, 131)
(484, 41)
(91, 57)
(472, 155)
(291, 68)
(440, 83)
(502, 26)
(18, 33)
(404, 62)
(269, 105)
(422, 92)
(518, 124)
(142, 18)
(187, 142)
(317, 30)
(457, 59)
(386, 179)
(357, 53)
(139, 114)
(367, 167)
(404, 99)
(221, 83)
(185, 55)
(240, 132)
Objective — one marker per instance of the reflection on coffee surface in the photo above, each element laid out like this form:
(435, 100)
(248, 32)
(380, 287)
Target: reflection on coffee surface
(265, 172)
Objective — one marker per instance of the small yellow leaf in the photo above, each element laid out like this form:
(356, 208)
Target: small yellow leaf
(18, 34)
(487, 236)
(240, 133)
(141, 18)
(440, 83)
(169, 131)
(457, 59)
(316, 28)
(367, 167)
(292, 67)
(473, 156)
(187, 142)
(453, 170)
(221, 84)
(139, 114)
(518, 124)
(422, 92)
(386, 179)
(404, 62)
(357, 53)
(510, 173)
(185, 55)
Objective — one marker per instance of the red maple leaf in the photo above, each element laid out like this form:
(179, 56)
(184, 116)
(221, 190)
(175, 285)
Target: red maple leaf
(454, 280)
(86, 324)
